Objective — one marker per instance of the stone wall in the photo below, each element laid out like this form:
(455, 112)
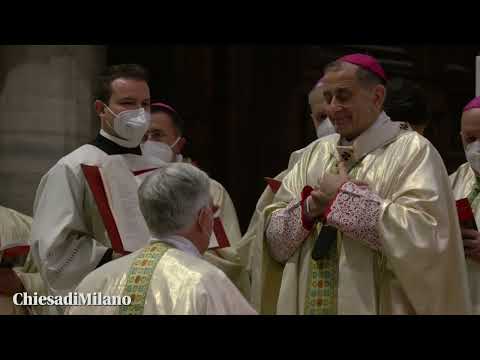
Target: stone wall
(46, 111)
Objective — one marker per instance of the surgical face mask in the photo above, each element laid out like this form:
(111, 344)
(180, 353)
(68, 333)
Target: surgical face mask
(131, 124)
(161, 151)
(178, 157)
(472, 152)
(325, 128)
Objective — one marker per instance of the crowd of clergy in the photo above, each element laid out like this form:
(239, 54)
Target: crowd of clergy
(363, 220)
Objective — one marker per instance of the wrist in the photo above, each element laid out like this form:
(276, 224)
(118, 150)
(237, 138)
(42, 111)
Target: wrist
(308, 220)
(307, 208)
(314, 209)
(328, 206)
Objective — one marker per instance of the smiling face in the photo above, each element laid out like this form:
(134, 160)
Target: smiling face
(351, 106)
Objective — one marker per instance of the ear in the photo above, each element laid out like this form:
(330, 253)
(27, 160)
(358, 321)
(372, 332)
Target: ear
(204, 218)
(379, 93)
(99, 107)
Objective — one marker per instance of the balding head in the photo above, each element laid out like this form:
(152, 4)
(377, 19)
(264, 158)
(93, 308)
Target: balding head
(317, 103)
(315, 96)
(321, 122)
(470, 126)
(471, 133)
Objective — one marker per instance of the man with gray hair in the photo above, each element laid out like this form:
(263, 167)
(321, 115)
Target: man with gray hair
(168, 277)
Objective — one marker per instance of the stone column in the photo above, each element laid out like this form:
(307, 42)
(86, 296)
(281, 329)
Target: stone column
(46, 111)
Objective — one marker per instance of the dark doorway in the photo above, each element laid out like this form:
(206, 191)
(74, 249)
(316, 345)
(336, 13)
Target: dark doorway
(246, 109)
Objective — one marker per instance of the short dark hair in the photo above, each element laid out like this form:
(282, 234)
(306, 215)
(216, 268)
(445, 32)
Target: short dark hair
(125, 71)
(161, 107)
(406, 101)
(365, 78)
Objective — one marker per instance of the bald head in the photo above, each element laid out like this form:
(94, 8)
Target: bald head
(470, 126)
(471, 136)
(316, 95)
(317, 103)
(318, 109)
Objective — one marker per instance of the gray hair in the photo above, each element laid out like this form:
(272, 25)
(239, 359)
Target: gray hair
(171, 197)
(366, 78)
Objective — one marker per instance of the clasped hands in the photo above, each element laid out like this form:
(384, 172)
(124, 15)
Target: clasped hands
(471, 243)
(329, 185)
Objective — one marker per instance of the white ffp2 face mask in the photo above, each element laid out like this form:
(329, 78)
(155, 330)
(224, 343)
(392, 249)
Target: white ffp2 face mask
(160, 151)
(472, 152)
(131, 124)
(325, 128)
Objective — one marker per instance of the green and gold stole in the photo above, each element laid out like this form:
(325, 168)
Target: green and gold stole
(139, 277)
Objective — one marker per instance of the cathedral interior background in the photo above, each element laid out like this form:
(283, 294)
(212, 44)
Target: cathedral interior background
(245, 106)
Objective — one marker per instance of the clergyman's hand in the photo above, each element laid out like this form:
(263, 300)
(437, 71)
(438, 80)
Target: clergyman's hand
(471, 243)
(320, 197)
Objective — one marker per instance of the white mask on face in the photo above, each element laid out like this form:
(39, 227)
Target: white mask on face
(325, 128)
(158, 151)
(178, 157)
(472, 152)
(131, 125)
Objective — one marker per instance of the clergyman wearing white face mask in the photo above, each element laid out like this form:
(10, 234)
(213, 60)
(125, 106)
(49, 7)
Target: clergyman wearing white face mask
(68, 236)
(164, 143)
(466, 184)
(321, 122)
(129, 126)
(163, 140)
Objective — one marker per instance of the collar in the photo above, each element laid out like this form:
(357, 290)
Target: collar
(112, 145)
(380, 133)
(178, 242)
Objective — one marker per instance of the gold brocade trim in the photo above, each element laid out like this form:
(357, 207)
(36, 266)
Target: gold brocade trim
(379, 270)
(322, 293)
(473, 197)
(139, 277)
